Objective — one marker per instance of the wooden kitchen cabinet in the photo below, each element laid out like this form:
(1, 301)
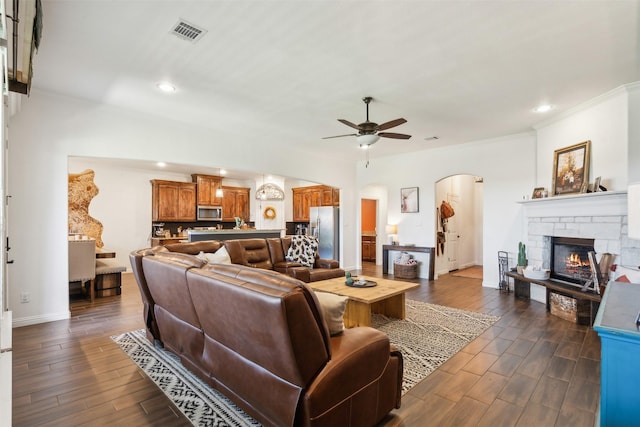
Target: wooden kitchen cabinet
(369, 248)
(207, 185)
(314, 195)
(235, 203)
(173, 201)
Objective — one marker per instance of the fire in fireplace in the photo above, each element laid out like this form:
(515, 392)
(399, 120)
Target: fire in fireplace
(570, 259)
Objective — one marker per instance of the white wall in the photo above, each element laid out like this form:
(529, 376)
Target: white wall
(634, 132)
(123, 203)
(605, 122)
(508, 169)
(50, 128)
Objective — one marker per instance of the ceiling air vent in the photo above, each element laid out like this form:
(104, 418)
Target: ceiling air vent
(187, 31)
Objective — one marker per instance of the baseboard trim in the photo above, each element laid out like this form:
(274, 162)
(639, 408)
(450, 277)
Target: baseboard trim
(43, 318)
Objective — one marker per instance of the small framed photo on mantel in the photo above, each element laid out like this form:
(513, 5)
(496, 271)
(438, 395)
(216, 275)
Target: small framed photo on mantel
(539, 193)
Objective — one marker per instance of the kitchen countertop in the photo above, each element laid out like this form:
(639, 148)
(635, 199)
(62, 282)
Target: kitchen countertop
(229, 234)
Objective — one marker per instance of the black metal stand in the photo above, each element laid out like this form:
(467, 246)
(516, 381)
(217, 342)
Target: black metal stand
(503, 267)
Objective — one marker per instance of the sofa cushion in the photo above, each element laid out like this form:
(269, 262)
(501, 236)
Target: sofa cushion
(333, 307)
(221, 256)
(250, 252)
(303, 249)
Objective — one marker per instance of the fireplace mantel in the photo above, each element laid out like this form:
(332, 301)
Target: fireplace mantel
(602, 203)
(600, 216)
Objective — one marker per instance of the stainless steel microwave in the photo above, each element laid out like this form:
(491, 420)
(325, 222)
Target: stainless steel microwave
(209, 213)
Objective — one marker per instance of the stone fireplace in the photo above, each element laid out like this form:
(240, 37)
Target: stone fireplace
(569, 260)
(600, 218)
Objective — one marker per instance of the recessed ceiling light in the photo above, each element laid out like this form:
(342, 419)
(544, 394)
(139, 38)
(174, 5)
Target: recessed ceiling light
(222, 172)
(161, 164)
(166, 87)
(543, 108)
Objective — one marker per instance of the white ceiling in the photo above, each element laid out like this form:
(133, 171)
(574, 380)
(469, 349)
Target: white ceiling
(286, 70)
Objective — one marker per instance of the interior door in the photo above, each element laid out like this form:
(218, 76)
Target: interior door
(368, 221)
(452, 246)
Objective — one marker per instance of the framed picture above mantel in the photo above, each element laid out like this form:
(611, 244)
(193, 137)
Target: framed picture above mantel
(571, 169)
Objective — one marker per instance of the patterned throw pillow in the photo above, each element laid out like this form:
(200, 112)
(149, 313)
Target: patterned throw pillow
(303, 250)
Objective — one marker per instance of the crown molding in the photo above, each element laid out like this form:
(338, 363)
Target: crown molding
(620, 90)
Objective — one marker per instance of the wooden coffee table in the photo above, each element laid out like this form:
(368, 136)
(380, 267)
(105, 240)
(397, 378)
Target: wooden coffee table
(387, 298)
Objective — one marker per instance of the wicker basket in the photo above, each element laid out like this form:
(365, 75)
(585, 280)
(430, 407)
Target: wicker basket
(405, 271)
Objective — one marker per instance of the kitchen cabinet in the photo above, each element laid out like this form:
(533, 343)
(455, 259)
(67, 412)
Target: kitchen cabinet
(369, 248)
(314, 195)
(235, 203)
(207, 185)
(298, 206)
(173, 201)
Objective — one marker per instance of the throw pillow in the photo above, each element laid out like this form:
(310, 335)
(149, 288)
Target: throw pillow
(202, 257)
(303, 249)
(221, 256)
(333, 307)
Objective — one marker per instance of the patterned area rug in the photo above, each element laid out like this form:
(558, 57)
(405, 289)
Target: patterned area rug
(428, 337)
(201, 404)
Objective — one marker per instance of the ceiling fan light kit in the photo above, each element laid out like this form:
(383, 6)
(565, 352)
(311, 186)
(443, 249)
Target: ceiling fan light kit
(366, 140)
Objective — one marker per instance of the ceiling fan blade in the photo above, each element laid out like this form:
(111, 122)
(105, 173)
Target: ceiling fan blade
(348, 123)
(394, 135)
(340, 136)
(391, 124)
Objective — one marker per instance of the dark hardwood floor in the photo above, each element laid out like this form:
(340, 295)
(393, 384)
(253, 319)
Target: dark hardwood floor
(529, 369)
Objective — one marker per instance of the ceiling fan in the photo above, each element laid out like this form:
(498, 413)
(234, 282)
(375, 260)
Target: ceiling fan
(369, 132)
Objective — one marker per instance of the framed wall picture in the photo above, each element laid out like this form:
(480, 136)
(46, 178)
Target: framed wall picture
(571, 169)
(409, 199)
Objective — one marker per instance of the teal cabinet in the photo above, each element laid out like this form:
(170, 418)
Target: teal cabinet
(620, 355)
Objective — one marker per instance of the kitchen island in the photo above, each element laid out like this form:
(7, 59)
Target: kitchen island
(232, 234)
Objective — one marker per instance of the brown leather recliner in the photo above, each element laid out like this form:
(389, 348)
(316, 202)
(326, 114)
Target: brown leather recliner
(260, 338)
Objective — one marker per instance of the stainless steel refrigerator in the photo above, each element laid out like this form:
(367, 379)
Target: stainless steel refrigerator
(325, 225)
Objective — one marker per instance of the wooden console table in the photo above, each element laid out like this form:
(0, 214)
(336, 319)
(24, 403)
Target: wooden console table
(522, 289)
(401, 248)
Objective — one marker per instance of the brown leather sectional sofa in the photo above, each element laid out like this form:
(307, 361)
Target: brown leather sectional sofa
(268, 254)
(259, 337)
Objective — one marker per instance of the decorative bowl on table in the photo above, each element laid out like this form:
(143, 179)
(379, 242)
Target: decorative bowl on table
(536, 274)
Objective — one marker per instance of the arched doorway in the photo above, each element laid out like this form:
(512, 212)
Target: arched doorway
(459, 238)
